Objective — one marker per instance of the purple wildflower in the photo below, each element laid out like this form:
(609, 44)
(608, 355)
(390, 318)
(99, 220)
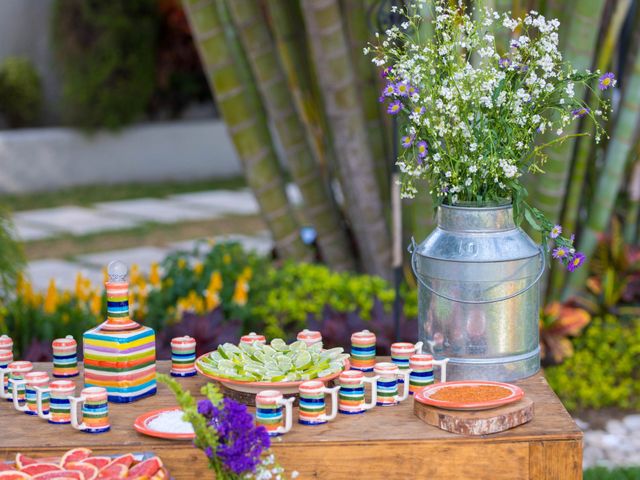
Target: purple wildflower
(559, 252)
(205, 407)
(402, 89)
(504, 62)
(423, 149)
(572, 237)
(555, 231)
(419, 110)
(407, 141)
(606, 81)
(381, 98)
(388, 90)
(385, 72)
(412, 90)
(514, 44)
(394, 107)
(580, 112)
(575, 261)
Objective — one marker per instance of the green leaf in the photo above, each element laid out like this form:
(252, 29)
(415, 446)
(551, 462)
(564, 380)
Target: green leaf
(531, 220)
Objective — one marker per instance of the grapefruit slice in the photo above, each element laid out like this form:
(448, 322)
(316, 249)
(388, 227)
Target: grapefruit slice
(146, 468)
(99, 462)
(13, 475)
(22, 461)
(89, 471)
(161, 475)
(126, 460)
(4, 467)
(59, 475)
(75, 455)
(117, 470)
(37, 468)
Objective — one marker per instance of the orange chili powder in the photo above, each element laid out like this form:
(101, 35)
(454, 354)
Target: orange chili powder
(481, 393)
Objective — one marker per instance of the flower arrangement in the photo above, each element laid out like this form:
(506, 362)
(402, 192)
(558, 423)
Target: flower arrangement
(474, 110)
(225, 432)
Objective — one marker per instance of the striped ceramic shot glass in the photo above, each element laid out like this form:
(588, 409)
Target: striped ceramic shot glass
(363, 351)
(15, 372)
(269, 412)
(59, 410)
(312, 406)
(6, 343)
(351, 397)
(387, 384)
(310, 337)
(253, 337)
(183, 357)
(95, 410)
(401, 352)
(31, 381)
(421, 368)
(65, 357)
(6, 357)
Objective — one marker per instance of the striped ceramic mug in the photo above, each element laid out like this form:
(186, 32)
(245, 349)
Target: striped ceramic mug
(401, 352)
(313, 408)
(65, 357)
(183, 357)
(15, 371)
(6, 357)
(95, 410)
(59, 411)
(31, 381)
(421, 374)
(387, 384)
(351, 396)
(269, 412)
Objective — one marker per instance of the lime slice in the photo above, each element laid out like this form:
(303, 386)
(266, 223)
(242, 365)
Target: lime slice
(268, 351)
(302, 360)
(298, 345)
(316, 347)
(285, 364)
(279, 345)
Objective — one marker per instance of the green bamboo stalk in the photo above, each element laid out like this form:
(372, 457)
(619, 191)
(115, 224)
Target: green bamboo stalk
(549, 191)
(369, 89)
(246, 124)
(633, 208)
(336, 77)
(297, 151)
(619, 151)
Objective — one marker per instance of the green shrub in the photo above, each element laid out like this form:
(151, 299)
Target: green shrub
(20, 92)
(603, 473)
(605, 369)
(107, 54)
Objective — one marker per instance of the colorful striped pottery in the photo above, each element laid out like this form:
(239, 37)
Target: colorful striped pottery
(269, 406)
(363, 351)
(312, 406)
(95, 410)
(6, 357)
(15, 372)
(6, 343)
(183, 357)
(310, 337)
(422, 371)
(120, 354)
(401, 352)
(58, 392)
(65, 357)
(31, 381)
(253, 337)
(351, 399)
(387, 384)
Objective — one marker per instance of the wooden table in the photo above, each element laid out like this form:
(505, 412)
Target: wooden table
(384, 443)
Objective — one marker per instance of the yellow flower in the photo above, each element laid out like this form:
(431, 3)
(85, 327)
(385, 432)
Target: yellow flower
(134, 274)
(154, 275)
(212, 300)
(247, 273)
(95, 304)
(65, 318)
(197, 269)
(182, 263)
(105, 275)
(82, 292)
(51, 300)
(215, 282)
(241, 292)
(226, 259)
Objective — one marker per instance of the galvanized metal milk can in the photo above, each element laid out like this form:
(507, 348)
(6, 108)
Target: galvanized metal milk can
(479, 294)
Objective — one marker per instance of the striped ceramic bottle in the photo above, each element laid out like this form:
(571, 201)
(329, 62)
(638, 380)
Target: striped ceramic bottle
(33, 380)
(59, 392)
(183, 357)
(6, 357)
(65, 357)
(274, 412)
(313, 408)
(387, 384)
(351, 399)
(95, 410)
(363, 351)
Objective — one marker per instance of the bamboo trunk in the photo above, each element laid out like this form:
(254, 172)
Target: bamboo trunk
(633, 209)
(346, 121)
(319, 207)
(246, 124)
(619, 150)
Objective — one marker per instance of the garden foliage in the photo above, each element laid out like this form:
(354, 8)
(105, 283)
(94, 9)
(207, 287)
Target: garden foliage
(20, 92)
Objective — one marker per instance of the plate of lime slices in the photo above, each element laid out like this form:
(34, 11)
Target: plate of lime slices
(254, 367)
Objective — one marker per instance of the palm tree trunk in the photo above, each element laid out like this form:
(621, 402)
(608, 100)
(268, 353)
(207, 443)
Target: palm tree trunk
(279, 104)
(246, 124)
(619, 151)
(347, 124)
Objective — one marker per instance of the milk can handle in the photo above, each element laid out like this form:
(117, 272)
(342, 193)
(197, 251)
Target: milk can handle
(412, 249)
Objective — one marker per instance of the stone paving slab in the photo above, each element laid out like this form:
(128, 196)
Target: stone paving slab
(26, 232)
(157, 210)
(63, 272)
(229, 202)
(142, 256)
(261, 243)
(74, 220)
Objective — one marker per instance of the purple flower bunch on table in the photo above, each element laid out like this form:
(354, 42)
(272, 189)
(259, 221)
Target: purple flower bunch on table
(241, 444)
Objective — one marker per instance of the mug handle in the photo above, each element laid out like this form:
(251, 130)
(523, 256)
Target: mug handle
(443, 368)
(7, 395)
(14, 392)
(374, 392)
(287, 403)
(75, 401)
(334, 402)
(405, 392)
(419, 346)
(39, 392)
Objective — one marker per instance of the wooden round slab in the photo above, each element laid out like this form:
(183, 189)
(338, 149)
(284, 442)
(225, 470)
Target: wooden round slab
(249, 399)
(477, 422)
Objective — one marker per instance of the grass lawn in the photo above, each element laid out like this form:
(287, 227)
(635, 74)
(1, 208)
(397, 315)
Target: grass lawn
(87, 195)
(603, 473)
